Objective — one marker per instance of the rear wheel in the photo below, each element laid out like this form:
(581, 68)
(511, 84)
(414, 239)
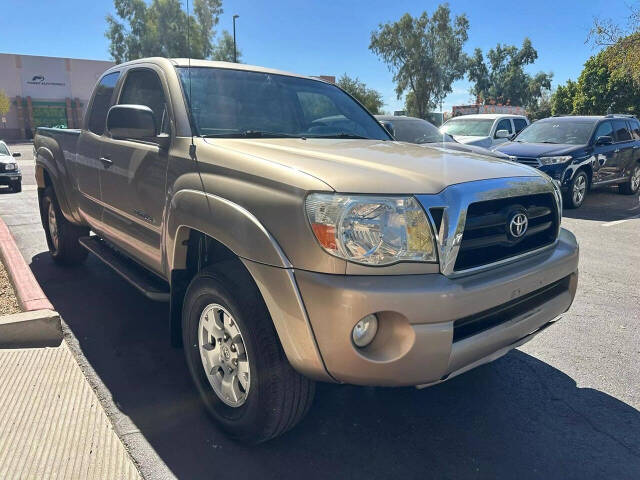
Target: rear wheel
(62, 235)
(632, 185)
(237, 362)
(577, 190)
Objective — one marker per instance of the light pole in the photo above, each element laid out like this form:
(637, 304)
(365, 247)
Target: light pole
(235, 54)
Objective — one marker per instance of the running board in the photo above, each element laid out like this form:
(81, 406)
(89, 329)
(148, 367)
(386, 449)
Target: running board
(147, 283)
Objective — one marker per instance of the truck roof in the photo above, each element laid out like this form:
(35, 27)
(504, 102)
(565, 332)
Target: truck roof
(491, 116)
(185, 62)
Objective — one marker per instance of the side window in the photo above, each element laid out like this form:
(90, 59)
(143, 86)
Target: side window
(605, 129)
(102, 102)
(143, 87)
(621, 132)
(635, 129)
(504, 124)
(520, 124)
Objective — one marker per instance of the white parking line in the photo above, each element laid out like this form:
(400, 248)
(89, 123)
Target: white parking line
(611, 224)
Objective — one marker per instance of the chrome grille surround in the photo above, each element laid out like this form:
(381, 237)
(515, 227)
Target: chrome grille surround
(454, 201)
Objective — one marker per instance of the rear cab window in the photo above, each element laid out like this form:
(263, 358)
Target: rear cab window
(101, 103)
(520, 124)
(635, 128)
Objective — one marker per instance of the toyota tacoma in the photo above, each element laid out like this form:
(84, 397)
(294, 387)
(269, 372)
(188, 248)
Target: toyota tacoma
(295, 240)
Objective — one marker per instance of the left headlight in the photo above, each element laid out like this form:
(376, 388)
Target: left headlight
(554, 160)
(10, 166)
(371, 230)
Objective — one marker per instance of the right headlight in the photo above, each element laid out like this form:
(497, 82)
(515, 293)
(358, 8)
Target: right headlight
(10, 166)
(554, 160)
(371, 230)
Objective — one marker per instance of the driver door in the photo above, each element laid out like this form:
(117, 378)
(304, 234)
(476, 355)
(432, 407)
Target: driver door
(604, 155)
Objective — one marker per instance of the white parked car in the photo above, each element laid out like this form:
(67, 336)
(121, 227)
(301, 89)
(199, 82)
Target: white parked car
(484, 129)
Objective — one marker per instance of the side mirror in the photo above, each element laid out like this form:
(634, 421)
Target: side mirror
(16, 154)
(388, 126)
(133, 122)
(604, 140)
(502, 134)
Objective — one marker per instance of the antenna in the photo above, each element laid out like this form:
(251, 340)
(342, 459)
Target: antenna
(192, 147)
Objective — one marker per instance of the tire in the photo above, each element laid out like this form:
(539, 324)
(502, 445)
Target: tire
(632, 185)
(62, 235)
(578, 188)
(276, 397)
(16, 187)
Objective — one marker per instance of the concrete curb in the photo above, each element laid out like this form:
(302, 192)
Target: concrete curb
(38, 325)
(30, 295)
(34, 329)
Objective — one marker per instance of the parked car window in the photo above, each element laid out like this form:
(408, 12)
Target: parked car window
(418, 131)
(102, 102)
(504, 124)
(520, 124)
(569, 132)
(605, 129)
(143, 87)
(468, 126)
(228, 103)
(621, 132)
(635, 129)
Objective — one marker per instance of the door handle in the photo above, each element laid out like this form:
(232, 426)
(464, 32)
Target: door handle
(106, 163)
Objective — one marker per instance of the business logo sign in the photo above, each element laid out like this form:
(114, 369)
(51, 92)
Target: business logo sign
(41, 80)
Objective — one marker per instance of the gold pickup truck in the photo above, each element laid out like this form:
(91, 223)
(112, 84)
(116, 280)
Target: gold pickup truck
(295, 240)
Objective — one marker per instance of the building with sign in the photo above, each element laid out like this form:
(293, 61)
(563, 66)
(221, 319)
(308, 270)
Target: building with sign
(45, 92)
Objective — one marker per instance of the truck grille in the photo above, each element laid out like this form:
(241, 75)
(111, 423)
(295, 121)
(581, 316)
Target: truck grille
(531, 161)
(490, 235)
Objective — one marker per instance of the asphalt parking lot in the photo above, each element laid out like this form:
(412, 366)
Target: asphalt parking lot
(564, 406)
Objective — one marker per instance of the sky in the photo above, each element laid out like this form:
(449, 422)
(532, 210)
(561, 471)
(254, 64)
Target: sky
(329, 37)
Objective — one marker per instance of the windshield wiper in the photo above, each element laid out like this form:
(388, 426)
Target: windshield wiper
(250, 134)
(340, 135)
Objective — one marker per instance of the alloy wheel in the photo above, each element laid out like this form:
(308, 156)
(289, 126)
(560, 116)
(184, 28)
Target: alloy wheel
(223, 354)
(579, 189)
(53, 226)
(635, 179)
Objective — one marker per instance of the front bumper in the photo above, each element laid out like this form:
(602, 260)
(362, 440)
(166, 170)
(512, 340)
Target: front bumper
(417, 316)
(9, 177)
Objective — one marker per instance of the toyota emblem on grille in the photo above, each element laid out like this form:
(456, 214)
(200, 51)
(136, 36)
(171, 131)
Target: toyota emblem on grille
(518, 224)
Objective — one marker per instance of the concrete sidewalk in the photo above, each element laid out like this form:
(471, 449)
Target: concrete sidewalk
(52, 424)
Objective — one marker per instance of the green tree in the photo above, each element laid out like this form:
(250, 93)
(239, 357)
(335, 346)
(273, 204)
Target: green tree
(5, 103)
(621, 43)
(601, 89)
(370, 98)
(562, 99)
(502, 79)
(160, 29)
(541, 108)
(223, 51)
(425, 55)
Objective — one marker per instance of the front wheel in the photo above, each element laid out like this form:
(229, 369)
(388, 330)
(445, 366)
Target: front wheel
(577, 190)
(631, 186)
(237, 362)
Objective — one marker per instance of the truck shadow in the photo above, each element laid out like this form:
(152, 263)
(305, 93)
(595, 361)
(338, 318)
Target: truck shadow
(606, 205)
(516, 418)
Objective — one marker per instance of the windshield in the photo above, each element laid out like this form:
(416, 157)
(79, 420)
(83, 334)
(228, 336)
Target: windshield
(468, 126)
(567, 132)
(418, 131)
(4, 150)
(236, 103)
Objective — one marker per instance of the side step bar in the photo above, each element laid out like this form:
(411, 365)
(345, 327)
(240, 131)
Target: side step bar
(147, 283)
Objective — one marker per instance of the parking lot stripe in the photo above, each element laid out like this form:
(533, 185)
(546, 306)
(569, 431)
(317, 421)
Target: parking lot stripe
(616, 222)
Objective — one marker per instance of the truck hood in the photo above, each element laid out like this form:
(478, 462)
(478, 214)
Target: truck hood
(473, 140)
(462, 147)
(374, 166)
(520, 149)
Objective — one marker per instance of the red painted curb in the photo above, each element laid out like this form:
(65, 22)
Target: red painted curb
(30, 295)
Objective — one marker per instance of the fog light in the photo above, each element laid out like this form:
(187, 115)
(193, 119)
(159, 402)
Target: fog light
(365, 331)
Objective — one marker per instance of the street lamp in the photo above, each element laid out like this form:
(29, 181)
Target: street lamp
(235, 54)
